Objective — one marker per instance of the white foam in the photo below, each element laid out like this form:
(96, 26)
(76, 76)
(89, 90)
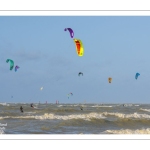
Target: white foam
(100, 106)
(66, 105)
(18, 117)
(129, 131)
(59, 105)
(120, 115)
(4, 104)
(105, 106)
(128, 105)
(59, 117)
(2, 131)
(148, 110)
(68, 117)
(81, 116)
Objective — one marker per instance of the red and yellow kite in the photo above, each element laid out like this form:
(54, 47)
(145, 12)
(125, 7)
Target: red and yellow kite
(79, 47)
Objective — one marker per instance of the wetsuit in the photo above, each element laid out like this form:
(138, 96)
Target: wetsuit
(21, 109)
(32, 105)
(81, 108)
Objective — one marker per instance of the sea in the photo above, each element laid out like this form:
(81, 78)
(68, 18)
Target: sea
(74, 118)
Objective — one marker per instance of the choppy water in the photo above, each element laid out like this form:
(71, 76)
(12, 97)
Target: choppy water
(70, 119)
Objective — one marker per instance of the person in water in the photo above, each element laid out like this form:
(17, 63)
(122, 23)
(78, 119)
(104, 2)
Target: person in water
(21, 108)
(32, 105)
(81, 107)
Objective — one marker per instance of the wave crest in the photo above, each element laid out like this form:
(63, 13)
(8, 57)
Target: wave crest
(129, 131)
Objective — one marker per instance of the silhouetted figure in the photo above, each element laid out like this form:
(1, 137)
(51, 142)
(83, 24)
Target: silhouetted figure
(21, 108)
(32, 105)
(81, 107)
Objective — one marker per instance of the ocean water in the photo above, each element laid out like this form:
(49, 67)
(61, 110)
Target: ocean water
(70, 119)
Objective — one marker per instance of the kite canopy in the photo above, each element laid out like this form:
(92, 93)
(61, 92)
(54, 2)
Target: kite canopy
(41, 88)
(16, 68)
(136, 76)
(11, 63)
(80, 73)
(79, 47)
(109, 80)
(70, 31)
(70, 94)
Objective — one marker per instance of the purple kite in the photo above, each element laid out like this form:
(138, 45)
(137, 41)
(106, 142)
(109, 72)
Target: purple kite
(17, 67)
(71, 32)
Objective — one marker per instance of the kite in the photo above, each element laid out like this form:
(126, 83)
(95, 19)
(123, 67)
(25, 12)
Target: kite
(80, 73)
(109, 80)
(136, 76)
(16, 68)
(79, 47)
(11, 63)
(69, 94)
(70, 31)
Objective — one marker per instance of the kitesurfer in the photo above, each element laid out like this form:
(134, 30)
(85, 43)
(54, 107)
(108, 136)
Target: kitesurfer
(21, 108)
(32, 105)
(81, 107)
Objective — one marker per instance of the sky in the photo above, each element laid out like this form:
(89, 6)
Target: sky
(114, 46)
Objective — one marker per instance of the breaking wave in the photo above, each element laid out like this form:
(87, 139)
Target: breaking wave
(128, 131)
(59, 117)
(134, 115)
(4, 104)
(101, 106)
(87, 116)
(148, 110)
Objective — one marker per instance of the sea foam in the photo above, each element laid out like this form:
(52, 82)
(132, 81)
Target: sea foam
(128, 131)
(59, 117)
(134, 115)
